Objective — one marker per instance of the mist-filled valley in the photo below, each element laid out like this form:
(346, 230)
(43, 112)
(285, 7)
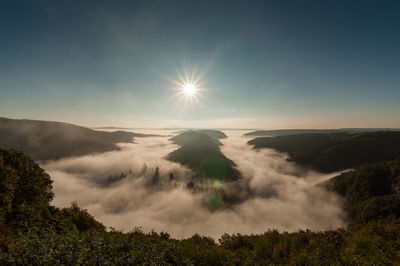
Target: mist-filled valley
(170, 195)
(138, 187)
(188, 132)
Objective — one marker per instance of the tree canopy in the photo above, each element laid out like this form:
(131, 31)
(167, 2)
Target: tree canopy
(34, 232)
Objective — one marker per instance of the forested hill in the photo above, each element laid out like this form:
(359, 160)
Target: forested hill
(335, 151)
(285, 132)
(199, 150)
(44, 140)
(32, 232)
(371, 192)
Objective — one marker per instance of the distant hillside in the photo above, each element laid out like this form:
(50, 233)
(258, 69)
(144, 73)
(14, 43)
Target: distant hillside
(372, 192)
(285, 132)
(216, 134)
(335, 151)
(44, 140)
(200, 151)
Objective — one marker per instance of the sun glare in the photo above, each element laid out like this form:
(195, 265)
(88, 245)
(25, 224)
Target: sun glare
(189, 89)
(189, 86)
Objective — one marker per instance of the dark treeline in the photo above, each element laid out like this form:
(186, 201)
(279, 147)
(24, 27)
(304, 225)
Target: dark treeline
(34, 232)
(285, 132)
(335, 151)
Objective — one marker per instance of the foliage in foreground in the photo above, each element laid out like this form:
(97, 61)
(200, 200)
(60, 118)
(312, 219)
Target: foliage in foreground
(34, 232)
(375, 243)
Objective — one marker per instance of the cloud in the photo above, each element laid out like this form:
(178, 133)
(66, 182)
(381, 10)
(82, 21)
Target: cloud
(273, 193)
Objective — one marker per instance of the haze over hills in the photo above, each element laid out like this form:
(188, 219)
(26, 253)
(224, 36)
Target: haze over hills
(216, 134)
(49, 140)
(208, 132)
(285, 132)
(255, 186)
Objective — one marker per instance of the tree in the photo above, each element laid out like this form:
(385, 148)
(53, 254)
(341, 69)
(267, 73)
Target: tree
(25, 188)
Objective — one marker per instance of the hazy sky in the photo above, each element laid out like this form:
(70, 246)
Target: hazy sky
(266, 64)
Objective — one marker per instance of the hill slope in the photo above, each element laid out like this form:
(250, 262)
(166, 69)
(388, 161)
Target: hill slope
(372, 192)
(286, 132)
(335, 151)
(44, 140)
(200, 151)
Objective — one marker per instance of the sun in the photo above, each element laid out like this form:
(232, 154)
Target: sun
(189, 86)
(189, 89)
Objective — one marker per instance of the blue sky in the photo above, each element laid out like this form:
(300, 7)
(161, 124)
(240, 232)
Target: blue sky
(266, 64)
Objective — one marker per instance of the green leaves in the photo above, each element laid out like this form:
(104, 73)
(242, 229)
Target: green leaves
(371, 191)
(37, 233)
(25, 188)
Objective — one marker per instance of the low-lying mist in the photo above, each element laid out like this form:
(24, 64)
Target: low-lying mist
(137, 187)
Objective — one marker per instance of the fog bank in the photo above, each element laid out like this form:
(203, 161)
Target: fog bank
(273, 194)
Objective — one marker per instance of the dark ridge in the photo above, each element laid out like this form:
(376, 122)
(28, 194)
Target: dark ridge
(46, 140)
(136, 135)
(285, 132)
(335, 151)
(211, 132)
